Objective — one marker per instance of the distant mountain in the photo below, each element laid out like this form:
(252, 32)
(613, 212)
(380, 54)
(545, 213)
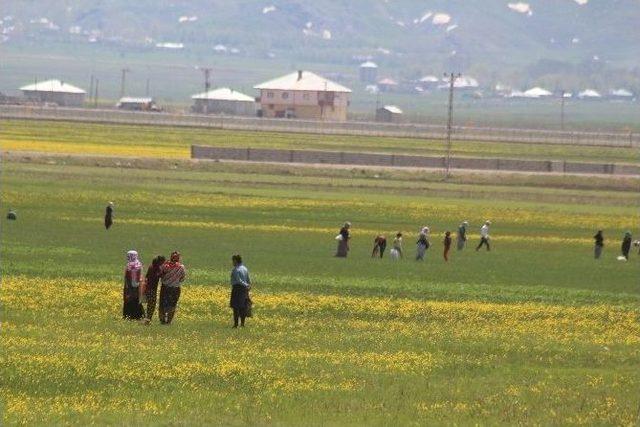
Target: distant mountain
(540, 40)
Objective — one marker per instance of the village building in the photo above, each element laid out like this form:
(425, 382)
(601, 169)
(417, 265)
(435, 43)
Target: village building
(304, 95)
(137, 104)
(387, 85)
(224, 101)
(368, 72)
(55, 92)
(389, 114)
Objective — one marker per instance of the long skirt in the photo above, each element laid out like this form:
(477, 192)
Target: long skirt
(239, 298)
(597, 252)
(421, 251)
(108, 221)
(343, 249)
(461, 243)
(131, 307)
(152, 297)
(169, 297)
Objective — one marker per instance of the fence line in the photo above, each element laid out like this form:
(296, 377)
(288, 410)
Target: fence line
(401, 161)
(434, 132)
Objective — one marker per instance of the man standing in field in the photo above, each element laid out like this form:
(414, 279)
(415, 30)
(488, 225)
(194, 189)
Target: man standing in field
(462, 235)
(108, 216)
(484, 236)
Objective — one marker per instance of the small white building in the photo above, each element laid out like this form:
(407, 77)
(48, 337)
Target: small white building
(621, 94)
(589, 94)
(389, 114)
(537, 92)
(55, 92)
(137, 104)
(224, 100)
(368, 72)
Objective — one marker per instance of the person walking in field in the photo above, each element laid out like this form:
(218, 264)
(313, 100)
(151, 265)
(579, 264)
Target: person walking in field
(626, 245)
(379, 246)
(343, 240)
(108, 216)
(152, 278)
(461, 238)
(240, 301)
(447, 245)
(484, 236)
(422, 244)
(599, 244)
(396, 251)
(172, 274)
(131, 307)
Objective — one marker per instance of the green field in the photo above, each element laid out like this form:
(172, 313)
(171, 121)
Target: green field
(153, 141)
(533, 332)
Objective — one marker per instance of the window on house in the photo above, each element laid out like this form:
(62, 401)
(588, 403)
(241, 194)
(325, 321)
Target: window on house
(306, 96)
(269, 94)
(285, 95)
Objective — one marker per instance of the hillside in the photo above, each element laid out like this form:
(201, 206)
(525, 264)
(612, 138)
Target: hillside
(494, 39)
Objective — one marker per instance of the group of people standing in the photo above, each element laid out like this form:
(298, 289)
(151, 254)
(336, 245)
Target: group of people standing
(139, 289)
(170, 274)
(423, 242)
(625, 247)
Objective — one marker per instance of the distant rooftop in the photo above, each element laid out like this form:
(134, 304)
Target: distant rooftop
(224, 94)
(392, 109)
(304, 81)
(52, 86)
(133, 100)
(369, 64)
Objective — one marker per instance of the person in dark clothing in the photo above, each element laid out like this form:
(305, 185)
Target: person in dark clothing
(11, 215)
(599, 244)
(108, 216)
(447, 245)
(151, 289)
(462, 235)
(626, 244)
(343, 240)
(131, 307)
(240, 286)
(379, 246)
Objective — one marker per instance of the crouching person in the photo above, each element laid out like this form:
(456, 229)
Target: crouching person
(172, 274)
(240, 286)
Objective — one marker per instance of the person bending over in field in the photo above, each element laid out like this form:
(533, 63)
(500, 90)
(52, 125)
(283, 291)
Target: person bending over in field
(461, 238)
(447, 245)
(599, 244)
(343, 240)
(626, 245)
(422, 244)
(240, 301)
(131, 307)
(379, 246)
(151, 286)
(484, 236)
(108, 216)
(172, 274)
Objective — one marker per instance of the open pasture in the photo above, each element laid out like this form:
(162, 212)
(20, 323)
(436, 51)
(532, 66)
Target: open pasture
(534, 332)
(175, 142)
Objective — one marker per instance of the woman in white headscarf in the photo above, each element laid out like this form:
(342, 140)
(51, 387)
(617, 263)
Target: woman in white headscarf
(131, 307)
(422, 244)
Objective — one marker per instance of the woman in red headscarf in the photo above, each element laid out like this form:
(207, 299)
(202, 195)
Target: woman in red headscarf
(131, 307)
(172, 274)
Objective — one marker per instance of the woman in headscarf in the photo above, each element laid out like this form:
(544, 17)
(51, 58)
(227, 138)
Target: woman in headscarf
(172, 274)
(462, 235)
(422, 244)
(108, 216)
(343, 240)
(240, 286)
(151, 291)
(131, 307)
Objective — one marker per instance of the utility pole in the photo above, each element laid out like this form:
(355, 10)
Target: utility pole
(562, 110)
(123, 81)
(95, 98)
(91, 89)
(452, 80)
(206, 71)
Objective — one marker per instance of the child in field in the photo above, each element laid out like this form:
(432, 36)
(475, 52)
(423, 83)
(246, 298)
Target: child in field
(396, 252)
(108, 216)
(599, 244)
(422, 244)
(240, 301)
(343, 240)
(379, 246)
(151, 285)
(626, 245)
(447, 245)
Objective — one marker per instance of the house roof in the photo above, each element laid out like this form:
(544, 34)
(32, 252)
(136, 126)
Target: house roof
(392, 109)
(537, 92)
(304, 81)
(621, 93)
(52, 86)
(388, 81)
(369, 64)
(132, 100)
(224, 94)
(589, 93)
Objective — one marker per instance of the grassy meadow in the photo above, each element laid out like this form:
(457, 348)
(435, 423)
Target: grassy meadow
(175, 142)
(533, 332)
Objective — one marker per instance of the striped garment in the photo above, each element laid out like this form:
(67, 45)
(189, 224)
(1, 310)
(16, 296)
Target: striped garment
(172, 274)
